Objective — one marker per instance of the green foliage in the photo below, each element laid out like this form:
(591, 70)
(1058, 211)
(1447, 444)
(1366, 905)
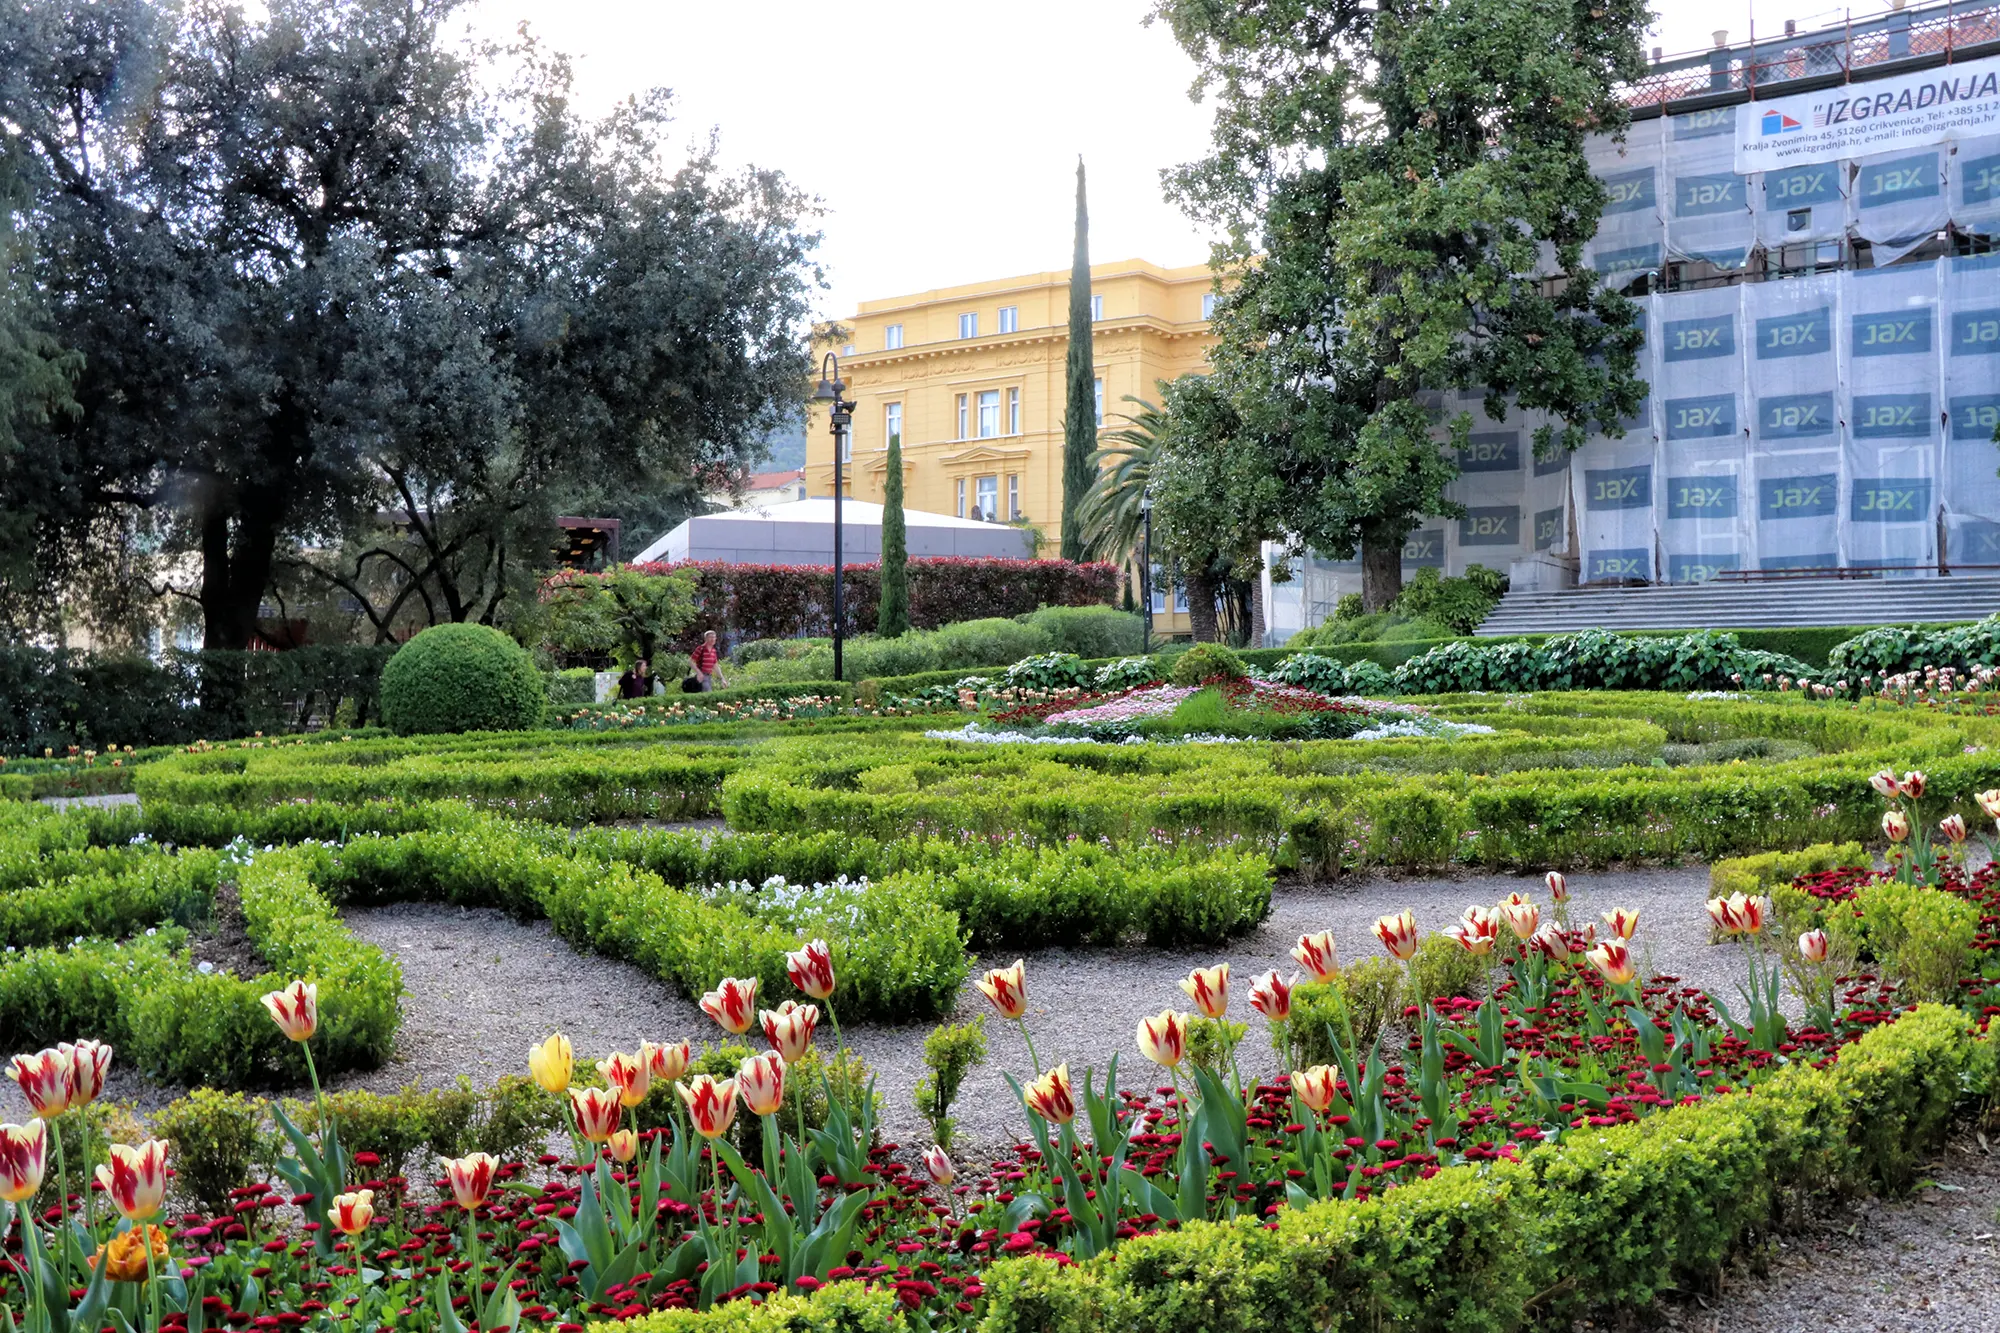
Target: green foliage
(572, 687)
(1768, 871)
(892, 609)
(1332, 676)
(1441, 968)
(951, 1052)
(1896, 649)
(1459, 604)
(1599, 659)
(623, 614)
(993, 642)
(1079, 387)
(214, 1139)
(461, 678)
(1049, 671)
(1089, 631)
(1123, 467)
(1209, 1041)
(1128, 673)
(1921, 936)
(1205, 661)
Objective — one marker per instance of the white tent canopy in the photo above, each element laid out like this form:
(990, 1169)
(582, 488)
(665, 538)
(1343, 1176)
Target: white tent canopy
(801, 533)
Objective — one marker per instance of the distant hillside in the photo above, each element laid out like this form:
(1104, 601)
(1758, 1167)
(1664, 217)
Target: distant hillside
(786, 447)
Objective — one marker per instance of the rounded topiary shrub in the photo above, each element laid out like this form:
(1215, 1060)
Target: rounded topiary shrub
(1205, 661)
(462, 678)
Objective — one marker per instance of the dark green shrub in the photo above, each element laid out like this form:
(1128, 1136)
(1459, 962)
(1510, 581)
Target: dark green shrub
(1206, 660)
(1090, 631)
(462, 678)
(214, 1140)
(1458, 604)
(987, 643)
(951, 1052)
(569, 688)
(1442, 968)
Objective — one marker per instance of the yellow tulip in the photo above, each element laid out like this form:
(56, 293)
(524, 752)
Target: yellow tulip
(552, 1063)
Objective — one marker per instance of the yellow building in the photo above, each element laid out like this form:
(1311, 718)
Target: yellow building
(973, 380)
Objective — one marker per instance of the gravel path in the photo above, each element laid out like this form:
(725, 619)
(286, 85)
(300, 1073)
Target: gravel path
(1922, 1264)
(113, 798)
(483, 987)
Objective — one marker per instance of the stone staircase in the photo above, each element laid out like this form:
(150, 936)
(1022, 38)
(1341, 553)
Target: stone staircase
(1748, 605)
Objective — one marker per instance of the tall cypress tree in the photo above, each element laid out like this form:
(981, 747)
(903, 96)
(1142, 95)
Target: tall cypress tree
(892, 616)
(1080, 410)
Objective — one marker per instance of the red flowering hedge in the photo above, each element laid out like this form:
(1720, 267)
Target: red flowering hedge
(794, 601)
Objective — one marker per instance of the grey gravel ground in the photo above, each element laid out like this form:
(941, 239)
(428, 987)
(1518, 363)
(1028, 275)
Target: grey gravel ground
(482, 987)
(114, 798)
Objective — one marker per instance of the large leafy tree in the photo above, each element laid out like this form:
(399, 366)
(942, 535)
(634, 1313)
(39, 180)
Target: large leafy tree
(1216, 498)
(351, 294)
(1391, 178)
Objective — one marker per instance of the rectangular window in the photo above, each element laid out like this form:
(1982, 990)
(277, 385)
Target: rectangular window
(892, 337)
(989, 498)
(968, 326)
(989, 413)
(1010, 319)
(1013, 411)
(961, 416)
(961, 497)
(892, 423)
(1208, 305)
(1157, 579)
(1100, 402)
(1013, 497)
(1096, 307)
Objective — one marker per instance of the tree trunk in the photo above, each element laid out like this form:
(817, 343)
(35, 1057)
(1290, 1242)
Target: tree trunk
(1381, 572)
(1257, 626)
(235, 571)
(1198, 586)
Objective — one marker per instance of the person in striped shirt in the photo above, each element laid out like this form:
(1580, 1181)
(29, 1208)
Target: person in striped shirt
(706, 661)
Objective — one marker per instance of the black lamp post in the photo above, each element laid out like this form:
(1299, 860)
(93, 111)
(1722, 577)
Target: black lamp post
(1146, 574)
(840, 412)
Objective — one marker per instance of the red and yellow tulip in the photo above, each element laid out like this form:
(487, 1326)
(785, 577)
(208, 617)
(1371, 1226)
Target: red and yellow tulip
(1558, 886)
(624, 1145)
(937, 1165)
(1895, 825)
(1271, 996)
(760, 1082)
(1006, 989)
(471, 1178)
(1315, 954)
(1522, 917)
(711, 1103)
(1476, 932)
(1813, 946)
(1398, 934)
(1051, 1097)
(351, 1213)
(811, 969)
(135, 1179)
(1623, 922)
(24, 1159)
(1163, 1038)
(598, 1112)
(1208, 987)
(46, 1080)
(732, 1004)
(295, 1009)
(667, 1063)
(1316, 1087)
(789, 1028)
(1613, 962)
(630, 1076)
(89, 1062)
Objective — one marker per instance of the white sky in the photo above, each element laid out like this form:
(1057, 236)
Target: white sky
(942, 135)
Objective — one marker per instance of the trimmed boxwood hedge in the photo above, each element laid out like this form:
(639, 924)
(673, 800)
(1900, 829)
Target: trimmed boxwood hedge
(462, 678)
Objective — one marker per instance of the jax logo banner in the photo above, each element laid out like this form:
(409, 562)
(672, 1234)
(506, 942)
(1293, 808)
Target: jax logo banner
(1958, 101)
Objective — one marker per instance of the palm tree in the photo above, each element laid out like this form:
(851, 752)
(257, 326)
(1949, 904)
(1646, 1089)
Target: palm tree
(1110, 513)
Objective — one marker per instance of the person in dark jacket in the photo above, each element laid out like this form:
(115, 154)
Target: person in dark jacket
(637, 682)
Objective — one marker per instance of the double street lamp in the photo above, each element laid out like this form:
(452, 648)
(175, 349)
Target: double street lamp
(840, 411)
(1146, 573)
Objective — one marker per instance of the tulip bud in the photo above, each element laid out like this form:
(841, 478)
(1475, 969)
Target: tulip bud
(1551, 944)
(711, 1104)
(1558, 886)
(1812, 946)
(937, 1165)
(1989, 801)
(732, 1004)
(1953, 828)
(1398, 934)
(1315, 1087)
(1163, 1038)
(551, 1063)
(295, 1009)
(1896, 825)
(23, 1160)
(89, 1061)
(811, 969)
(667, 1063)
(1006, 989)
(1622, 922)
(1885, 784)
(1272, 997)
(46, 1080)
(760, 1082)
(630, 1076)
(1315, 954)
(1051, 1096)
(135, 1179)
(1613, 962)
(624, 1145)
(471, 1178)
(1522, 916)
(1913, 785)
(351, 1213)
(1208, 987)
(597, 1112)
(789, 1028)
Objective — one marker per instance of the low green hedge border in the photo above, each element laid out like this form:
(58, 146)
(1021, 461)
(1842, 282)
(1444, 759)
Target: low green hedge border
(1598, 1223)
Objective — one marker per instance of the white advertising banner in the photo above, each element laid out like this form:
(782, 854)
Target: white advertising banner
(1879, 116)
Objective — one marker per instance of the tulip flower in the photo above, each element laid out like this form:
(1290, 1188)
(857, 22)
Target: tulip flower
(1913, 785)
(1398, 934)
(551, 1064)
(937, 1165)
(1315, 954)
(666, 1063)
(760, 1082)
(624, 1145)
(126, 1258)
(789, 1028)
(1558, 886)
(1316, 1086)
(1163, 1038)
(1953, 828)
(1051, 1096)
(1475, 932)
(1613, 962)
(1208, 987)
(1551, 944)
(1622, 922)
(1896, 825)
(471, 1178)
(45, 1080)
(711, 1103)
(89, 1062)
(295, 1009)
(135, 1179)
(733, 1004)
(351, 1213)
(1885, 784)
(24, 1158)
(1272, 997)
(597, 1111)
(1989, 801)
(1812, 946)
(630, 1076)
(811, 970)
(1006, 989)
(1521, 916)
